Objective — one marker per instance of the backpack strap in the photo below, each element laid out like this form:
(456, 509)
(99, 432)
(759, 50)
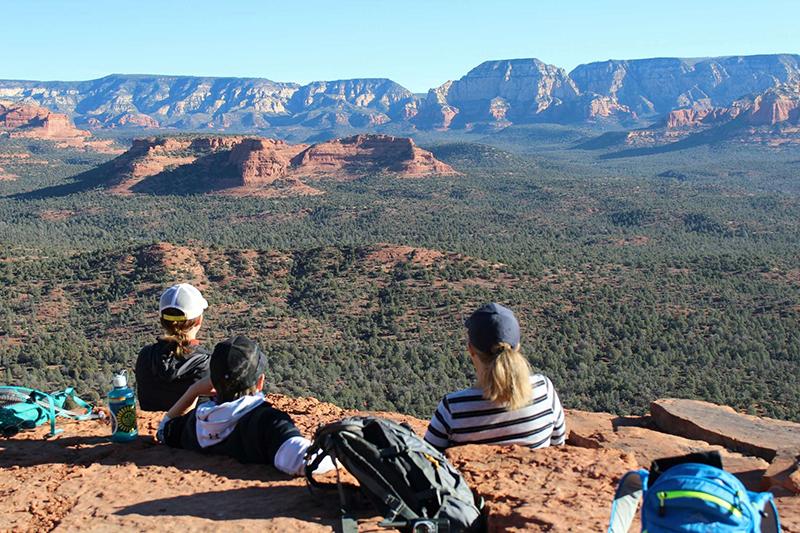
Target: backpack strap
(69, 392)
(764, 503)
(771, 523)
(626, 500)
(51, 405)
(48, 403)
(369, 477)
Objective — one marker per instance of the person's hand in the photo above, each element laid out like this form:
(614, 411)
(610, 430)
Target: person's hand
(161, 426)
(103, 414)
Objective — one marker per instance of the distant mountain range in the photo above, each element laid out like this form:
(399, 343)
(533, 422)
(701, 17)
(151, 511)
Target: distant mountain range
(493, 95)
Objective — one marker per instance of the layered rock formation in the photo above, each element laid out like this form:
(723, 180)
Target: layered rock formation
(514, 91)
(39, 123)
(346, 158)
(497, 93)
(366, 101)
(772, 117)
(657, 86)
(198, 103)
(252, 165)
(36, 122)
(778, 105)
(64, 482)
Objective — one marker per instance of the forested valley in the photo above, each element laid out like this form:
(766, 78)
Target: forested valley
(675, 275)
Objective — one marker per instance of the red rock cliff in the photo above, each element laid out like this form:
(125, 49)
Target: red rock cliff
(365, 153)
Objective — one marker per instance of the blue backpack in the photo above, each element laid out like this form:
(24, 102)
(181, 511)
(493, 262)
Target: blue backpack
(24, 408)
(692, 497)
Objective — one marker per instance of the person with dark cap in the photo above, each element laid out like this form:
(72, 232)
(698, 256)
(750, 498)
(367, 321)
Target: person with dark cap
(239, 422)
(510, 405)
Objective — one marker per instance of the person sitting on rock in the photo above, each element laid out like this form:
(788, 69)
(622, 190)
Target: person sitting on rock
(167, 368)
(239, 422)
(510, 405)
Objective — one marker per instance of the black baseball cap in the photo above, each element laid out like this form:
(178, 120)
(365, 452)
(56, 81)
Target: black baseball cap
(490, 325)
(236, 364)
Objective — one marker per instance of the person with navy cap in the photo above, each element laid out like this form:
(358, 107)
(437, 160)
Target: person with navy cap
(509, 405)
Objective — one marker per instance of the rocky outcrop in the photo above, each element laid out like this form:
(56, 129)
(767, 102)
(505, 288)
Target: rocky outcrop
(779, 105)
(63, 481)
(14, 116)
(36, 122)
(6, 176)
(771, 117)
(695, 118)
(252, 165)
(762, 437)
(518, 90)
(126, 120)
(657, 86)
(495, 93)
(384, 99)
(237, 104)
(784, 471)
(350, 157)
(39, 123)
(148, 157)
(262, 161)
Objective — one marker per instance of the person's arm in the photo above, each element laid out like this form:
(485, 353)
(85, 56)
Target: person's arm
(185, 403)
(559, 435)
(170, 432)
(438, 433)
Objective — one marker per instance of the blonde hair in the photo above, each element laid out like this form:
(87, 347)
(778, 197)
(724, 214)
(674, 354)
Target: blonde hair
(505, 375)
(176, 331)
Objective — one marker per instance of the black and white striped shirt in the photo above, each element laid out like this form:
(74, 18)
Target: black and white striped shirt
(465, 417)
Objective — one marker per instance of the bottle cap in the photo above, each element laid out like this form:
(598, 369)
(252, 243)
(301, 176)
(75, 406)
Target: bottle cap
(120, 380)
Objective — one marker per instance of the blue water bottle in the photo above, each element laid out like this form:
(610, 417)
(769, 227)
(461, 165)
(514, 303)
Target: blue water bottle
(122, 403)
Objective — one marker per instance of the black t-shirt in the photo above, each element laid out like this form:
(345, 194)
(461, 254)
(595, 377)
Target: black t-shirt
(162, 377)
(256, 438)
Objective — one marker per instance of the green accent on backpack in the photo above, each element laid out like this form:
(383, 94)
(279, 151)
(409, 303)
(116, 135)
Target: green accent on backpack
(24, 408)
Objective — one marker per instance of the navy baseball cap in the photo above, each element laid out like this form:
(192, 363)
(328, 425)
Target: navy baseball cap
(490, 325)
(236, 364)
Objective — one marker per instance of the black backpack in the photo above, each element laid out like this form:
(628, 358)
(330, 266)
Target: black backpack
(408, 480)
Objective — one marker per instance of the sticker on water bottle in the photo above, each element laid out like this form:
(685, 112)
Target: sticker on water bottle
(126, 419)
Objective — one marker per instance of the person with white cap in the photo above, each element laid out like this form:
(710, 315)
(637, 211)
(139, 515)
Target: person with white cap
(509, 405)
(177, 360)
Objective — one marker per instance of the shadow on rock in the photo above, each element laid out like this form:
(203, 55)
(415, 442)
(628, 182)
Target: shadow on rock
(244, 503)
(89, 450)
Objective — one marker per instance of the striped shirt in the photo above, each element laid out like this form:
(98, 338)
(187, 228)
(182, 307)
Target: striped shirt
(465, 417)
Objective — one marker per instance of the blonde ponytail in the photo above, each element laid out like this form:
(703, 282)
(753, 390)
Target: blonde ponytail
(176, 332)
(505, 376)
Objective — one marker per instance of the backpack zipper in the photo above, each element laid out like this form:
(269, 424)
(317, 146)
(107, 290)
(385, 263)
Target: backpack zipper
(663, 496)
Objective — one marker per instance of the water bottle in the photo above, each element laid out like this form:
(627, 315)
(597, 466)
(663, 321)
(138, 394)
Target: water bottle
(122, 403)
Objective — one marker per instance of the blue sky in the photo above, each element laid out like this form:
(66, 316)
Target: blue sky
(418, 43)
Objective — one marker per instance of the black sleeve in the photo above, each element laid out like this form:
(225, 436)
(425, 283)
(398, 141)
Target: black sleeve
(174, 430)
(276, 428)
(260, 434)
(144, 379)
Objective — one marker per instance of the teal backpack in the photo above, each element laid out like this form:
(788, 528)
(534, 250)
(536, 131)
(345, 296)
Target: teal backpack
(679, 495)
(24, 408)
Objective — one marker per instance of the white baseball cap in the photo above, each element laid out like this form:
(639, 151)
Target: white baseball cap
(186, 299)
